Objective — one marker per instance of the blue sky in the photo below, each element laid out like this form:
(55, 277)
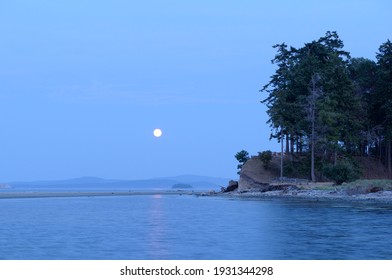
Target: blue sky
(84, 83)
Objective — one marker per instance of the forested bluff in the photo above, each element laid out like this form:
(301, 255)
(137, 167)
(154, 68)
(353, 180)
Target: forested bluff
(329, 111)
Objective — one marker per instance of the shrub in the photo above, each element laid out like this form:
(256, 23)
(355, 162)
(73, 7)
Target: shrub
(265, 157)
(341, 172)
(368, 186)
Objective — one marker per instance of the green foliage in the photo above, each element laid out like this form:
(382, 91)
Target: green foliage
(265, 157)
(343, 171)
(367, 186)
(242, 157)
(384, 88)
(299, 167)
(329, 104)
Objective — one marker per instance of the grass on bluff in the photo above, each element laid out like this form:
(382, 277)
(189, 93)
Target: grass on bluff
(355, 187)
(367, 186)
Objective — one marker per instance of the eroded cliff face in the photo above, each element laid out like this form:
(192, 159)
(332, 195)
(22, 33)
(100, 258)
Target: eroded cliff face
(254, 177)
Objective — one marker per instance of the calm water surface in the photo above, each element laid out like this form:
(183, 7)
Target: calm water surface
(188, 227)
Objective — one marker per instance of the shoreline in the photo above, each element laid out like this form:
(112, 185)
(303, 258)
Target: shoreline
(382, 197)
(28, 194)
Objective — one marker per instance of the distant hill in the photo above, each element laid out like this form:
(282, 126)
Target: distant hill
(197, 182)
(73, 181)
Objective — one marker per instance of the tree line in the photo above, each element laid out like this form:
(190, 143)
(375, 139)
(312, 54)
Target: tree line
(326, 105)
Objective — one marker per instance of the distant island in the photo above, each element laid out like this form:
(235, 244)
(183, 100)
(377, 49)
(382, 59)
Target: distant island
(181, 186)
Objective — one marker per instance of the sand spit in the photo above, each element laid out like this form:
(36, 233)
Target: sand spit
(4, 195)
(382, 197)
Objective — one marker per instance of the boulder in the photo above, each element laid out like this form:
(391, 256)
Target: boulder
(233, 185)
(376, 189)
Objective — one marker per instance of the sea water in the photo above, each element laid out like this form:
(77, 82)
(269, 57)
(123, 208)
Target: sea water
(190, 227)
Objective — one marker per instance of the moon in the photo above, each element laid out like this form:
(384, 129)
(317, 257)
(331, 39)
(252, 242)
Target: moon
(157, 132)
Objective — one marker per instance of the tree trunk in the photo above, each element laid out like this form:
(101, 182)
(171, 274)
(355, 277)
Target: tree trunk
(287, 144)
(312, 158)
(281, 155)
(300, 145)
(314, 94)
(389, 160)
(291, 148)
(380, 145)
(312, 151)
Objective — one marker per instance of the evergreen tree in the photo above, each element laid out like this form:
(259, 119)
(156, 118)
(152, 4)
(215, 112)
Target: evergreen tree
(383, 98)
(311, 99)
(363, 77)
(242, 157)
(329, 104)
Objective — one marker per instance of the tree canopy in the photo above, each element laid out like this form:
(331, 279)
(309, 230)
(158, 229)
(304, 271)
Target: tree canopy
(328, 105)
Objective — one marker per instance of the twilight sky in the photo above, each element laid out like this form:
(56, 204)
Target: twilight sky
(83, 83)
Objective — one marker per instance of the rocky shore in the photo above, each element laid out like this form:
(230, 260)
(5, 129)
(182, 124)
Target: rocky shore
(256, 181)
(275, 191)
(384, 197)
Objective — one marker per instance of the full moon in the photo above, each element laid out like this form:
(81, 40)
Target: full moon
(157, 132)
